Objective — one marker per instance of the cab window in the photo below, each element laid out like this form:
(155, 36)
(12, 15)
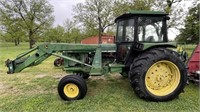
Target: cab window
(125, 31)
(150, 29)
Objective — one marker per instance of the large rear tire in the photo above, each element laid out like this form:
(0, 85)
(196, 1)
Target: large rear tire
(72, 87)
(158, 75)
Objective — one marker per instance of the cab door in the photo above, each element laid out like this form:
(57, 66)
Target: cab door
(125, 38)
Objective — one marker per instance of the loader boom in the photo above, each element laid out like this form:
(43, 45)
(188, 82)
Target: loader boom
(38, 54)
(66, 51)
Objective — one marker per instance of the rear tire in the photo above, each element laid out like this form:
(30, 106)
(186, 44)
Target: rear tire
(183, 57)
(158, 75)
(72, 87)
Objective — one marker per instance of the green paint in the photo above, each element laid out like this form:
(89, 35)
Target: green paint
(116, 68)
(25, 53)
(149, 45)
(97, 63)
(71, 59)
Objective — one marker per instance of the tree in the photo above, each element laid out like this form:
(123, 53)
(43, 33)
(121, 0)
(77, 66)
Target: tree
(32, 16)
(176, 10)
(68, 26)
(92, 12)
(190, 32)
(10, 28)
(70, 33)
(55, 34)
(12, 31)
(76, 35)
(122, 6)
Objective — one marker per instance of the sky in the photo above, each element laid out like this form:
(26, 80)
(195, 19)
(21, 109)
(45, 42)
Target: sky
(63, 9)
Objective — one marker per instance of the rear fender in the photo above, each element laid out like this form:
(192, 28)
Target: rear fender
(135, 52)
(148, 46)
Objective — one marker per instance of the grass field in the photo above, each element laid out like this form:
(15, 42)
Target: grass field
(35, 90)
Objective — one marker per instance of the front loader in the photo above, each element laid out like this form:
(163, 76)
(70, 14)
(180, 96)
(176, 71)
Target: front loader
(141, 52)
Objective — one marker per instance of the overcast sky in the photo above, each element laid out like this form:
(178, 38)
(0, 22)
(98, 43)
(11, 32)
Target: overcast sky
(63, 9)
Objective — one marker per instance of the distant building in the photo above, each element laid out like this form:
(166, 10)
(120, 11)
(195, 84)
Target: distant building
(105, 39)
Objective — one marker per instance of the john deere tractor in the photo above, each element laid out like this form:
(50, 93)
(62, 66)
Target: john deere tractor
(141, 52)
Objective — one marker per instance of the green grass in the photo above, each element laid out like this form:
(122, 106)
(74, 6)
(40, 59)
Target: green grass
(35, 89)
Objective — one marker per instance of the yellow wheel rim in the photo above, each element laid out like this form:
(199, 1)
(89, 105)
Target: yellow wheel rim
(71, 90)
(162, 78)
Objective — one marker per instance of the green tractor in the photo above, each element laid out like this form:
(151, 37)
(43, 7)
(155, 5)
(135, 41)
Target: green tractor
(141, 52)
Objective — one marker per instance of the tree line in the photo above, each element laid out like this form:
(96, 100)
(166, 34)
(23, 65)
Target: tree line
(32, 20)
(190, 32)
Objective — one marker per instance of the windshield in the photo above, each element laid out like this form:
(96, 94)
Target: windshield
(150, 29)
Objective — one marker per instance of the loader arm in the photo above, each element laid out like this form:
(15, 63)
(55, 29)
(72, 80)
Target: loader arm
(38, 54)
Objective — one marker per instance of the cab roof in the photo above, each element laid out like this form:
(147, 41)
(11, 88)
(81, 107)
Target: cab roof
(133, 13)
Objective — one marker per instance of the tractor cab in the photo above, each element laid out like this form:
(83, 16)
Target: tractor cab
(137, 27)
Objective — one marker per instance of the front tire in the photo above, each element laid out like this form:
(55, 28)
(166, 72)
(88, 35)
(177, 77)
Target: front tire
(158, 75)
(72, 87)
